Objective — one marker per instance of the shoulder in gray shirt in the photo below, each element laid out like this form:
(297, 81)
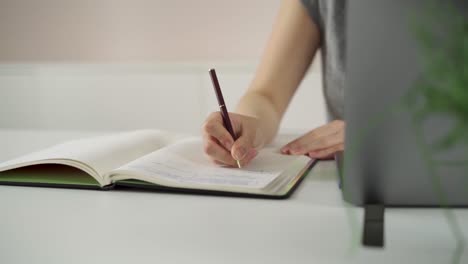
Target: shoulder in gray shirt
(329, 16)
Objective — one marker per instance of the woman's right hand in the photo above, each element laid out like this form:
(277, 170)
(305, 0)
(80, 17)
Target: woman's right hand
(222, 149)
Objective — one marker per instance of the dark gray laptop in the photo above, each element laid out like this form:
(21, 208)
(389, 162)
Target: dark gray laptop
(395, 156)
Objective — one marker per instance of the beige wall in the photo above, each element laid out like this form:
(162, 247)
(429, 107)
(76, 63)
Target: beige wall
(134, 30)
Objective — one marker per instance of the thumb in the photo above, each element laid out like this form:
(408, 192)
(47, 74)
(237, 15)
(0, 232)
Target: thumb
(242, 146)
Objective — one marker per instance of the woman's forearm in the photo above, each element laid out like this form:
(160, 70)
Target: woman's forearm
(258, 105)
(288, 53)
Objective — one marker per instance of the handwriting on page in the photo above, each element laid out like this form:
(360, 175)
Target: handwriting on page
(184, 163)
(174, 168)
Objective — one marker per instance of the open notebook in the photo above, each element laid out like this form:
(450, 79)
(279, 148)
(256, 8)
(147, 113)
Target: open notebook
(155, 160)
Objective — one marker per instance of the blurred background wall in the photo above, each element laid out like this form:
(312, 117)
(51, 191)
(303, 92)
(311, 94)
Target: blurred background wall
(129, 64)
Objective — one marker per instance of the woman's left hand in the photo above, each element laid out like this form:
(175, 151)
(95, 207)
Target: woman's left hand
(320, 143)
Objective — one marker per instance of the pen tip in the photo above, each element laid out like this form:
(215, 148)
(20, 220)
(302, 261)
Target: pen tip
(238, 164)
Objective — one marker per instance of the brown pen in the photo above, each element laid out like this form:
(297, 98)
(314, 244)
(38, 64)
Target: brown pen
(222, 107)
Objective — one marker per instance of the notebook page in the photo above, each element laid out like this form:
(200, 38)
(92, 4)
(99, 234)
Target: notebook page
(184, 163)
(103, 153)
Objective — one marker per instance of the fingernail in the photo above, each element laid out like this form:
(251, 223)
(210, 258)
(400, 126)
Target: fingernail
(285, 151)
(240, 153)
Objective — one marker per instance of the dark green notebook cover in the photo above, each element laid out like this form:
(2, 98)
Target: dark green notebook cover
(49, 175)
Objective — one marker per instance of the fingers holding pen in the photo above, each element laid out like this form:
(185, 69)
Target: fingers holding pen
(217, 153)
(221, 156)
(214, 128)
(218, 143)
(244, 149)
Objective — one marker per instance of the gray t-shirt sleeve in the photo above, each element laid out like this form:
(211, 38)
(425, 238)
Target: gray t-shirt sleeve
(313, 8)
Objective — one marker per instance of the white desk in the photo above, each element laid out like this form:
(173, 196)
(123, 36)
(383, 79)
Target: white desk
(45, 225)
